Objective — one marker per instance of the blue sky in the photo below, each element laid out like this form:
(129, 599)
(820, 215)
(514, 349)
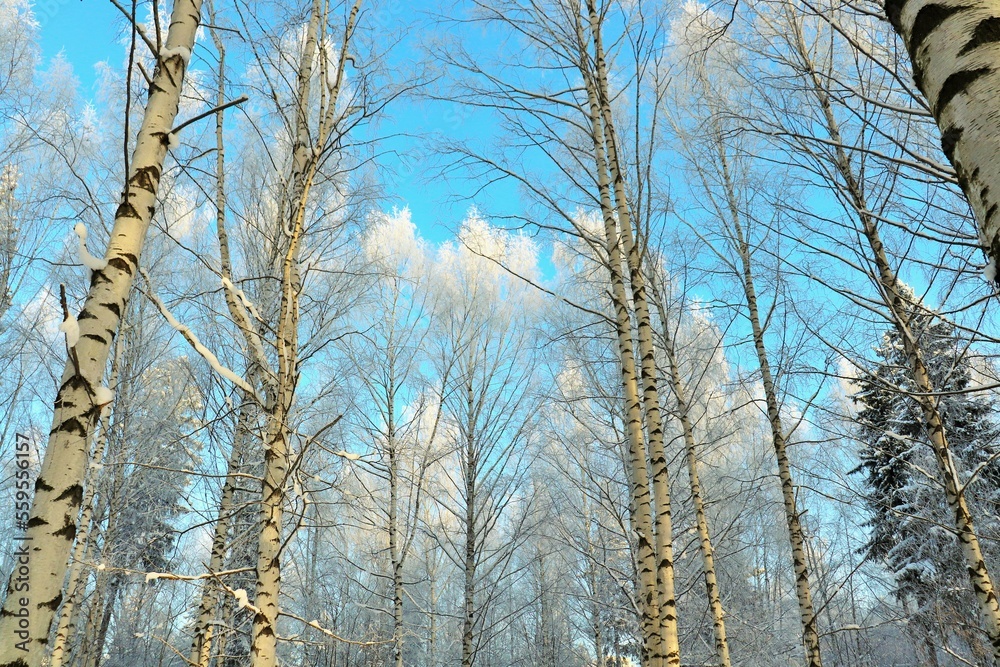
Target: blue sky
(87, 32)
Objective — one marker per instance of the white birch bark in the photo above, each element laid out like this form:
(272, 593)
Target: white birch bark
(650, 391)
(73, 591)
(900, 307)
(796, 536)
(640, 506)
(59, 488)
(954, 47)
(308, 147)
(701, 519)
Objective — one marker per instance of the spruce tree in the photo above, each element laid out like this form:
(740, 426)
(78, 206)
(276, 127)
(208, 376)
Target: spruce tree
(909, 523)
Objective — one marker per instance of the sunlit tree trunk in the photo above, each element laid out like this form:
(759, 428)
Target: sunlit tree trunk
(666, 600)
(640, 505)
(65, 628)
(59, 489)
(308, 145)
(953, 50)
(901, 309)
(796, 536)
(697, 499)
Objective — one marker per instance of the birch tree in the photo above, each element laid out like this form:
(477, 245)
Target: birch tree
(52, 526)
(951, 48)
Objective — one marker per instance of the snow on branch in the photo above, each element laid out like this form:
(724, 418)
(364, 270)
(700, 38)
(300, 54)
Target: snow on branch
(189, 335)
(88, 260)
(247, 304)
(71, 328)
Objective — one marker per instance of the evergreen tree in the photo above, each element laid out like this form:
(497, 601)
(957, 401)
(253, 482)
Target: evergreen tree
(909, 524)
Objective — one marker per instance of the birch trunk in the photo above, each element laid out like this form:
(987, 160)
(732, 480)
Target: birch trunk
(956, 65)
(650, 392)
(640, 505)
(74, 592)
(899, 307)
(796, 536)
(701, 520)
(201, 643)
(59, 488)
(264, 637)
(469, 564)
(396, 560)
(306, 152)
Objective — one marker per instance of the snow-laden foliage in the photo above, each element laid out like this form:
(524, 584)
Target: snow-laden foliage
(909, 521)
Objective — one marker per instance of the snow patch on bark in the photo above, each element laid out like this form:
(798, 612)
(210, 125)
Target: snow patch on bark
(348, 455)
(182, 51)
(990, 271)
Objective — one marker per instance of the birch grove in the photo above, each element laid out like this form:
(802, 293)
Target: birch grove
(534, 332)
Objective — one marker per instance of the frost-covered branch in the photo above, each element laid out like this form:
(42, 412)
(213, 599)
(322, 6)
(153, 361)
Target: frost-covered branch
(191, 338)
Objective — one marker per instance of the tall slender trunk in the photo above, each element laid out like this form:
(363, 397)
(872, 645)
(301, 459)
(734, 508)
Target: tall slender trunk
(640, 505)
(701, 519)
(59, 488)
(469, 563)
(97, 650)
(650, 391)
(901, 307)
(201, 642)
(74, 591)
(307, 148)
(396, 560)
(796, 536)
(952, 47)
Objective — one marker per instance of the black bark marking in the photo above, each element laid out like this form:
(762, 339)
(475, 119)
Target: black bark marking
(86, 315)
(987, 31)
(52, 604)
(949, 139)
(74, 493)
(929, 19)
(126, 210)
(99, 339)
(893, 10)
(37, 521)
(957, 84)
(114, 308)
(146, 178)
(120, 264)
(98, 277)
(74, 382)
(42, 485)
(68, 531)
(73, 424)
